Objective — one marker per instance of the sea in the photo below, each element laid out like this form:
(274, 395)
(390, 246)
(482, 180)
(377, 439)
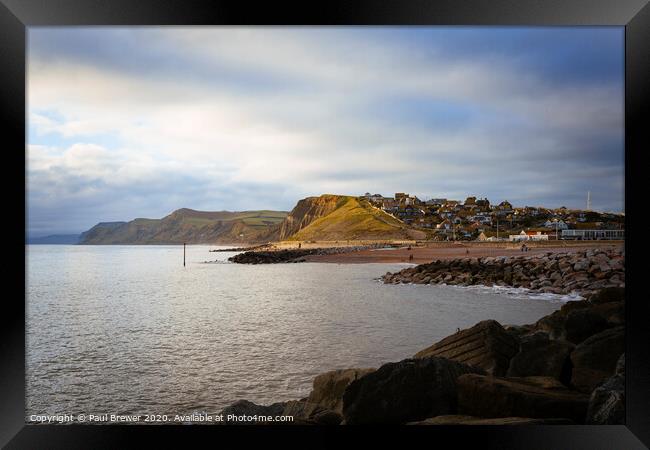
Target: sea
(121, 329)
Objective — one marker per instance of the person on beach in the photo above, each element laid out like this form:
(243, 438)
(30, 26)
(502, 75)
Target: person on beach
(411, 257)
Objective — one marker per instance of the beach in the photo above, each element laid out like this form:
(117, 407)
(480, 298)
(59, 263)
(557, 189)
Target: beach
(431, 251)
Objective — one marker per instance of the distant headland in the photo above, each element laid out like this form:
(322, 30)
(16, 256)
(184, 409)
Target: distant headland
(369, 217)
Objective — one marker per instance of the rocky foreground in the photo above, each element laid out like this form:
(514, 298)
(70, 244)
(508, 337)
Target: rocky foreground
(567, 368)
(558, 273)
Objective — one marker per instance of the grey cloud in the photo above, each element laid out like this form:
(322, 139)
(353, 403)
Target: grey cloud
(323, 103)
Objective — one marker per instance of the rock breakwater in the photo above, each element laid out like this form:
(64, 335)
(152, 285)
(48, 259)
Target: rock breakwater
(557, 371)
(291, 255)
(272, 257)
(557, 273)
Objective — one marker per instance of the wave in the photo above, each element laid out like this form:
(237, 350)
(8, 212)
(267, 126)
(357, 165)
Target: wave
(519, 293)
(523, 293)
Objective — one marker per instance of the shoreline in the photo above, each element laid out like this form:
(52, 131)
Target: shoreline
(428, 253)
(563, 270)
(581, 271)
(359, 252)
(566, 368)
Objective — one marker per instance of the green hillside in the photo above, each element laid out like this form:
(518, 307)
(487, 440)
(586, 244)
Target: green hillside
(190, 226)
(324, 218)
(352, 219)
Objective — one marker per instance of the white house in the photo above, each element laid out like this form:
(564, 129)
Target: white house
(538, 237)
(518, 237)
(560, 225)
(523, 236)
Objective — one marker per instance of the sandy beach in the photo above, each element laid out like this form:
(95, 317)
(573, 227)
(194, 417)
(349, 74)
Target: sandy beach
(430, 252)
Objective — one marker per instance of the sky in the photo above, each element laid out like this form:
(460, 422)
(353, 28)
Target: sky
(128, 122)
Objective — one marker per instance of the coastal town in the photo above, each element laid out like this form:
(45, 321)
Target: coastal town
(388, 225)
(478, 219)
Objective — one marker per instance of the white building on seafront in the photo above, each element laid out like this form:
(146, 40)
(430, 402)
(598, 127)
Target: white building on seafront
(523, 236)
(590, 235)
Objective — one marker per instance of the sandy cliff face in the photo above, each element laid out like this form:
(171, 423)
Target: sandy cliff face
(308, 210)
(325, 218)
(340, 217)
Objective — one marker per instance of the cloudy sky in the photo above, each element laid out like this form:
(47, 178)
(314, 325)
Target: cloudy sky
(138, 122)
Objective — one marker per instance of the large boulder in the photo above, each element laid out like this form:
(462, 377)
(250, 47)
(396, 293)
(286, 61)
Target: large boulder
(582, 323)
(328, 388)
(472, 420)
(578, 320)
(541, 356)
(324, 405)
(606, 295)
(242, 412)
(412, 389)
(594, 360)
(612, 312)
(536, 397)
(607, 403)
(554, 323)
(518, 330)
(304, 412)
(486, 345)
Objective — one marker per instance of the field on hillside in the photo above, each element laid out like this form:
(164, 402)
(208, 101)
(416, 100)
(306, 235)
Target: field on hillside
(353, 219)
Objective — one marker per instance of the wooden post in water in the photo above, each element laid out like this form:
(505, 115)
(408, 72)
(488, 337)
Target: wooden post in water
(183, 254)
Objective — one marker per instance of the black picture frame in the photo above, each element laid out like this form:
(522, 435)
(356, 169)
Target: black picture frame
(17, 15)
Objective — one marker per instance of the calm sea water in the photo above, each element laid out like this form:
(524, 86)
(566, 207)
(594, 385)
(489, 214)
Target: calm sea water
(129, 330)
